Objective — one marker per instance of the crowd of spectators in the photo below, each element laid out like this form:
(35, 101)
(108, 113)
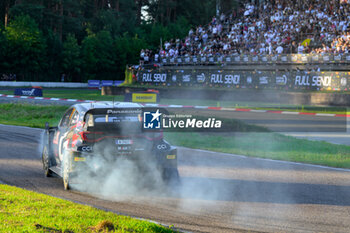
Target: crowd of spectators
(274, 27)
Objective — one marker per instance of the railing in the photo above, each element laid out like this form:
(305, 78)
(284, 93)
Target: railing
(228, 78)
(259, 59)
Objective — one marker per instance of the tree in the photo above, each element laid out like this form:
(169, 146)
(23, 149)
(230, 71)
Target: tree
(127, 51)
(98, 57)
(107, 20)
(71, 61)
(54, 56)
(105, 56)
(90, 38)
(26, 48)
(3, 45)
(89, 56)
(169, 11)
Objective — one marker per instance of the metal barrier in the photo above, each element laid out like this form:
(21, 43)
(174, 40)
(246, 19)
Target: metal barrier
(260, 59)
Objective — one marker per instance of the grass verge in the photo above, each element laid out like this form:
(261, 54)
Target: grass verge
(267, 145)
(255, 141)
(26, 211)
(30, 115)
(91, 94)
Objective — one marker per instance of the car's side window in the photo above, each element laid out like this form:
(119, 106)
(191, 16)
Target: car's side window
(66, 117)
(74, 119)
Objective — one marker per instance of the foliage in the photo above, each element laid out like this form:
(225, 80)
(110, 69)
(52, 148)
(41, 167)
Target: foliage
(26, 48)
(84, 39)
(266, 145)
(71, 62)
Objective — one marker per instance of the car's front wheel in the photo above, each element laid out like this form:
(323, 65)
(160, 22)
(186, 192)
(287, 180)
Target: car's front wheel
(66, 170)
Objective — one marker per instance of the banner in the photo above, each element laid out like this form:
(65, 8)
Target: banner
(301, 80)
(107, 83)
(152, 76)
(94, 84)
(142, 97)
(29, 91)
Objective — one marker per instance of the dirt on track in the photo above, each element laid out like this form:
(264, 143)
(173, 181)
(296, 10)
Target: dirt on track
(219, 192)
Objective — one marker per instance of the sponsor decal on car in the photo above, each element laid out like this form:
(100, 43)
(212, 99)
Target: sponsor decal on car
(171, 156)
(79, 159)
(123, 142)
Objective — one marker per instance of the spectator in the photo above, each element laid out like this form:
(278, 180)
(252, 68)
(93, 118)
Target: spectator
(280, 26)
(300, 48)
(279, 49)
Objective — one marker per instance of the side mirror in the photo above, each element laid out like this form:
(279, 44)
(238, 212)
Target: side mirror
(47, 127)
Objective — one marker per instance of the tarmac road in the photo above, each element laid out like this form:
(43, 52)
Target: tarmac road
(219, 192)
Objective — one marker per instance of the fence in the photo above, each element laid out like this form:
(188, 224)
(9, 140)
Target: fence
(300, 80)
(260, 59)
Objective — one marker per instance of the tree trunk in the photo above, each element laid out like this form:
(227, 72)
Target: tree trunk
(7, 8)
(61, 20)
(95, 7)
(116, 5)
(138, 4)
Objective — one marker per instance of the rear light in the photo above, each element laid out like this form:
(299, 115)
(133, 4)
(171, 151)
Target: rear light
(84, 135)
(90, 136)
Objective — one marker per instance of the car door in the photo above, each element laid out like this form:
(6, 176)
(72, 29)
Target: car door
(59, 137)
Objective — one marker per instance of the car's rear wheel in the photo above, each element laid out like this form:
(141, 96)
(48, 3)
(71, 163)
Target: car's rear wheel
(66, 180)
(46, 161)
(171, 176)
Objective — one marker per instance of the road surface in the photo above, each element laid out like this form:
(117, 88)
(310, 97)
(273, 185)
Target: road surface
(219, 192)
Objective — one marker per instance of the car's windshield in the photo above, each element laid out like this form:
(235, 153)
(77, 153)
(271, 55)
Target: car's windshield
(114, 123)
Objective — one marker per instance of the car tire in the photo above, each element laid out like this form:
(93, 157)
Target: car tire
(65, 170)
(171, 176)
(46, 162)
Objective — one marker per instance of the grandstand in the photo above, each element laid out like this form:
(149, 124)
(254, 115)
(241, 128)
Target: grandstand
(261, 31)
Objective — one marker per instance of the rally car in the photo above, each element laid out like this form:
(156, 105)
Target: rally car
(87, 129)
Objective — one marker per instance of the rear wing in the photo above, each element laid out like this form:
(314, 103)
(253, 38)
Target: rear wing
(116, 120)
(119, 122)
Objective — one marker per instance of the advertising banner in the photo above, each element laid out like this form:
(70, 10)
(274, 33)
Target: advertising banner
(142, 97)
(94, 84)
(152, 76)
(301, 80)
(107, 83)
(29, 91)
(118, 82)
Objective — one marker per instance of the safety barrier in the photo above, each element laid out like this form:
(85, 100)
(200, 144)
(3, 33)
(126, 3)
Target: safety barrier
(259, 59)
(42, 84)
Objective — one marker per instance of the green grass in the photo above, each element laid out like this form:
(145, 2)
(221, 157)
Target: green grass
(91, 94)
(26, 211)
(84, 94)
(30, 115)
(267, 145)
(256, 141)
